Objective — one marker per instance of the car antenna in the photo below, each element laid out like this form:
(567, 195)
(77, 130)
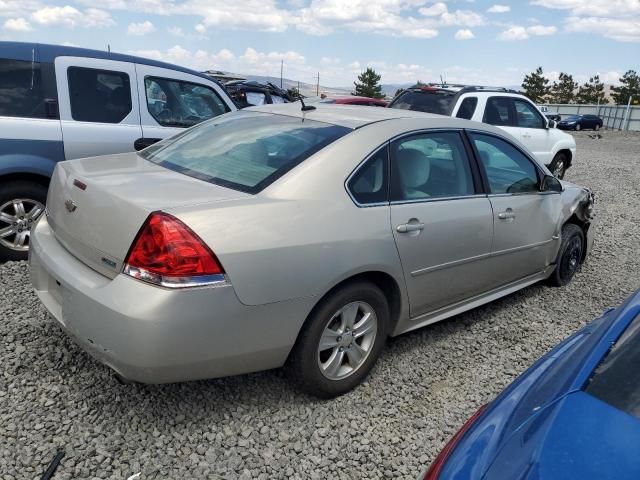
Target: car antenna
(305, 108)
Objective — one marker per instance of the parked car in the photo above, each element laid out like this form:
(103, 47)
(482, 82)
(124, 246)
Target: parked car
(501, 107)
(555, 116)
(301, 236)
(574, 414)
(247, 93)
(59, 103)
(355, 100)
(581, 122)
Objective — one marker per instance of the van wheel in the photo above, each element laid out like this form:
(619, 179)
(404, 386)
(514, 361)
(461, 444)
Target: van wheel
(340, 341)
(21, 205)
(559, 165)
(569, 255)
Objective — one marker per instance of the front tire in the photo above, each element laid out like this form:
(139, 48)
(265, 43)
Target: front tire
(559, 165)
(21, 204)
(569, 256)
(578, 127)
(340, 341)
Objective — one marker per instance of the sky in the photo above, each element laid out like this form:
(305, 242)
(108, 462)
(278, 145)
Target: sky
(464, 41)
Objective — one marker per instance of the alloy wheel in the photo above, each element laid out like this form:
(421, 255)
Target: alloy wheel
(347, 340)
(16, 219)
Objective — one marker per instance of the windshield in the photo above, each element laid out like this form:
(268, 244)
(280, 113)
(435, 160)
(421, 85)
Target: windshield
(245, 151)
(616, 381)
(437, 101)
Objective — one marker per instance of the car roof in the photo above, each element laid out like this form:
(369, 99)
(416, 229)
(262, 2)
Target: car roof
(350, 116)
(42, 52)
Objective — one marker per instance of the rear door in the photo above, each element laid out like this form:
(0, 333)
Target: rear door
(526, 235)
(442, 225)
(171, 101)
(98, 103)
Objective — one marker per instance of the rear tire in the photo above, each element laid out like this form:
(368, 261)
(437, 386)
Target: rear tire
(578, 127)
(597, 127)
(330, 357)
(559, 165)
(569, 256)
(21, 204)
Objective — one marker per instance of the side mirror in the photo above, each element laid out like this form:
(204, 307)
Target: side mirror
(550, 184)
(552, 124)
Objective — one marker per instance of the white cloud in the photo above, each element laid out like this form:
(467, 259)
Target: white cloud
(518, 32)
(596, 8)
(200, 28)
(141, 28)
(175, 31)
(464, 34)
(72, 17)
(499, 9)
(17, 25)
(624, 30)
(434, 10)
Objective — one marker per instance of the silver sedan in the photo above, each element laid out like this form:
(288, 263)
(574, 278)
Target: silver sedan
(297, 237)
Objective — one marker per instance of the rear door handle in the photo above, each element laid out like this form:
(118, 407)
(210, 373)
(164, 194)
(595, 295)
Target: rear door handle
(410, 227)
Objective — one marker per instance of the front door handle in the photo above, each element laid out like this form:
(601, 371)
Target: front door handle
(410, 227)
(507, 214)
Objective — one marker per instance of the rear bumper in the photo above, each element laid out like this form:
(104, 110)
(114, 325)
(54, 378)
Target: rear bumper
(156, 335)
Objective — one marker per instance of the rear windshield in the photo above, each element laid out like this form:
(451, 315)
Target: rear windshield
(437, 101)
(245, 151)
(616, 381)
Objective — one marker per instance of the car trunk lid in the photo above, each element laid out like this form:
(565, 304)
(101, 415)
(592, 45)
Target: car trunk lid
(97, 205)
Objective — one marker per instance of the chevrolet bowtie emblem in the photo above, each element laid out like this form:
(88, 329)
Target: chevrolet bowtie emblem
(71, 205)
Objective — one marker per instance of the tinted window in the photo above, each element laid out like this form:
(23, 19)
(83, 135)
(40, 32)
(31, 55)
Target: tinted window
(244, 151)
(21, 89)
(467, 108)
(430, 165)
(102, 96)
(498, 111)
(370, 183)
(508, 170)
(176, 103)
(436, 101)
(527, 115)
(616, 381)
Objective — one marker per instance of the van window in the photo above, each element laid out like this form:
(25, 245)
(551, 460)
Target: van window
(176, 103)
(102, 96)
(21, 89)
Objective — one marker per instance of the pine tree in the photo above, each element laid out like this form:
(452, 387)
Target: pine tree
(368, 84)
(562, 90)
(592, 92)
(630, 85)
(535, 86)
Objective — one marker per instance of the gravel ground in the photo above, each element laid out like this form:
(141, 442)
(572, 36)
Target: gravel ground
(53, 395)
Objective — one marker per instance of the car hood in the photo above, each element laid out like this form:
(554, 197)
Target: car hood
(97, 205)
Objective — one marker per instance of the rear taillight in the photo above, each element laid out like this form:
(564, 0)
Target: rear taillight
(168, 253)
(438, 464)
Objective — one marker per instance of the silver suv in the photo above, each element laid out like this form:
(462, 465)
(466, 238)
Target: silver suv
(501, 107)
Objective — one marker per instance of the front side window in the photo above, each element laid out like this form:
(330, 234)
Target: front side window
(527, 116)
(467, 108)
(370, 184)
(177, 103)
(430, 165)
(498, 111)
(508, 170)
(246, 151)
(256, 98)
(21, 89)
(101, 96)
(277, 99)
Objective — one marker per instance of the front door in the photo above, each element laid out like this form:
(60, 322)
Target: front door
(98, 103)
(533, 130)
(526, 233)
(442, 226)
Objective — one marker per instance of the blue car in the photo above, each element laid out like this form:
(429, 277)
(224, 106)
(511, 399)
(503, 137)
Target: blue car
(575, 414)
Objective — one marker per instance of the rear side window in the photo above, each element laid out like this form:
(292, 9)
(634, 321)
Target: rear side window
(245, 151)
(507, 168)
(176, 103)
(436, 101)
(467, 108)
(498, 111)
(616, 381)
(102, 96)
(370, 184)
(21, 92)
